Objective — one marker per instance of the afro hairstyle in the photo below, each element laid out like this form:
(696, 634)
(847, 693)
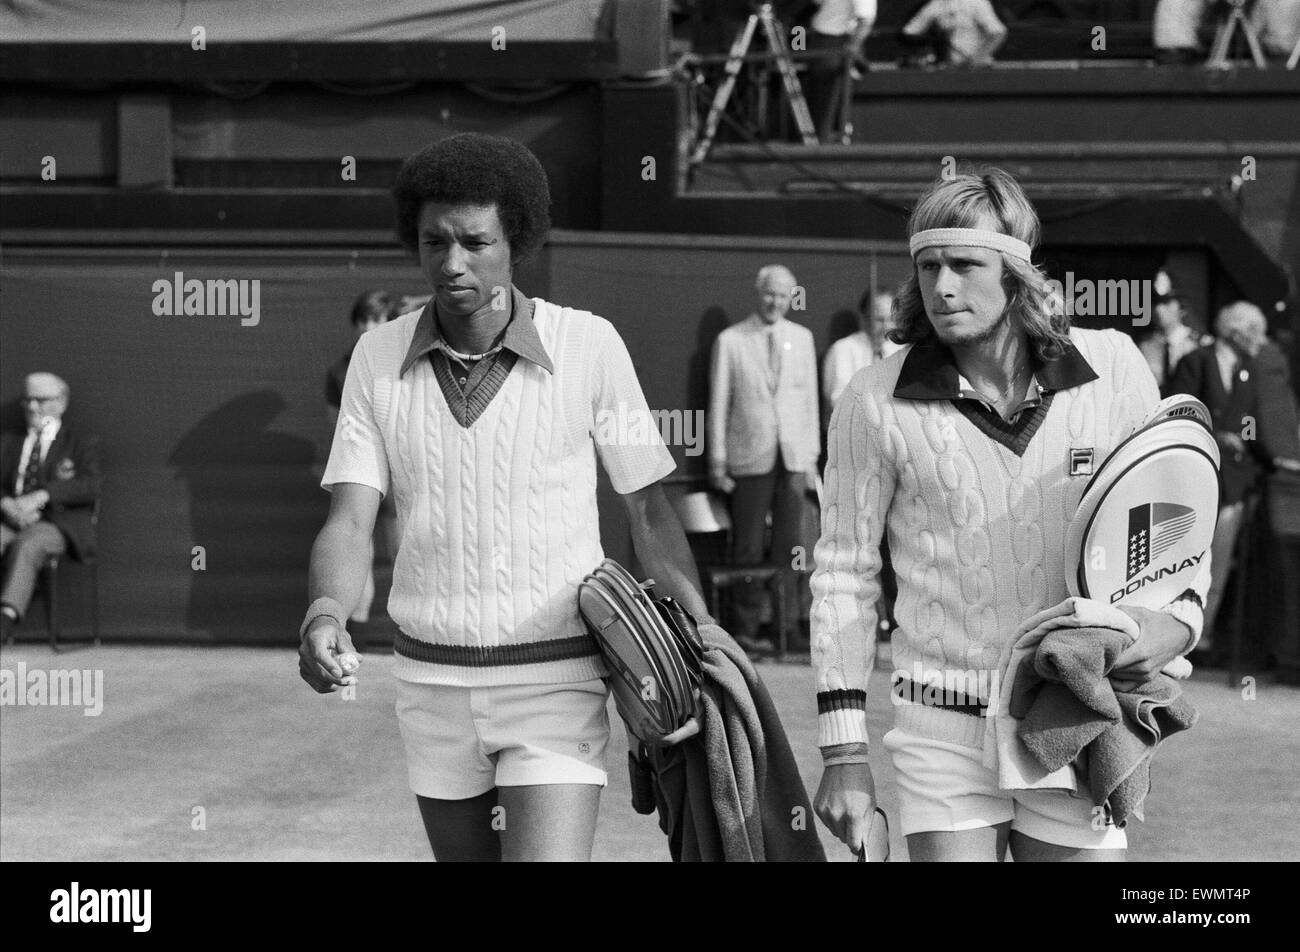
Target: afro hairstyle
(475, 169)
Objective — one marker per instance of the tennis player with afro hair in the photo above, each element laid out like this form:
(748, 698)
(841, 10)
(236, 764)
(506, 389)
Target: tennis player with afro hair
(481, 414)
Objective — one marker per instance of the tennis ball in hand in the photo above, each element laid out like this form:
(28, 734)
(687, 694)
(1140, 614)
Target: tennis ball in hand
(349, 662)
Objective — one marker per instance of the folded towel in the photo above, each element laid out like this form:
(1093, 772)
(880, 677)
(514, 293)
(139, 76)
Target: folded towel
(1017, 768)
(1003, 749)
(733, 792)
(1070, 712)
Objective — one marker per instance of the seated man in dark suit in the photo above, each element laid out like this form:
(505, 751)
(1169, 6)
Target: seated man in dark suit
(49, 480)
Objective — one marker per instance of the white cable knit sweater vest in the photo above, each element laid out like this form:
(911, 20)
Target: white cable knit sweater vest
(483, 593)
(976, 533)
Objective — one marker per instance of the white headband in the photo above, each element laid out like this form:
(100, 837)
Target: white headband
(970, 237)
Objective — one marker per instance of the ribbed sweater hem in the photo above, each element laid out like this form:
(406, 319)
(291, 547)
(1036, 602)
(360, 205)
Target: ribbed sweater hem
(564, 671)
(935, 723)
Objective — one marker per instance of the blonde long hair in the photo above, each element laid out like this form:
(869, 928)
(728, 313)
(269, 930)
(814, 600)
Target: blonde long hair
(972, 200)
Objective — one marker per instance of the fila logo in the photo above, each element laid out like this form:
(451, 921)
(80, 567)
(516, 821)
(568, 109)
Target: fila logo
(1081, 461)
(1152, 529)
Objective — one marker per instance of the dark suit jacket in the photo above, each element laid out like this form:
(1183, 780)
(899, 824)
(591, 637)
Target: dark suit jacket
(70, 474)
(1279, 415)
(1198, 374)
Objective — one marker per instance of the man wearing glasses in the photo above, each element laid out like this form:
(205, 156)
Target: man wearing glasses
(49, 479)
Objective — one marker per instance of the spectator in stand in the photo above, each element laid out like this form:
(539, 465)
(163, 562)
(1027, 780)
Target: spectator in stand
(960, 32)
(1173, 31)
(1279, 26)
(840, 26)
(1171, 341)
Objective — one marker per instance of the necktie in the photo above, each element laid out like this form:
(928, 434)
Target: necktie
(32, 474)
(1168, 366)
(773, 357)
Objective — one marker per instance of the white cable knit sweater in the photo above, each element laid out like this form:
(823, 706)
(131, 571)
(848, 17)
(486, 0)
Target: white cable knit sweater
(976, 532)
(498, 520)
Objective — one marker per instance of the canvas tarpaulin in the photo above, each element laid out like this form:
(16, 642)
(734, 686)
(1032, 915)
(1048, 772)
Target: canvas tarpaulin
(239, 21)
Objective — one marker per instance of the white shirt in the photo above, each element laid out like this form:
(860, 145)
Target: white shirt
(47, 434)
(1173, 345)
(1228, 363)
(968, 24)
(846, 357)
(837, 17)
(1175, 23)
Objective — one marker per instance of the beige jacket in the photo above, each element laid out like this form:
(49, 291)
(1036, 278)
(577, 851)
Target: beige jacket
(752, 416)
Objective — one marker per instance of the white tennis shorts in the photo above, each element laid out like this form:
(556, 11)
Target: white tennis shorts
(462, 742)
(945, 787)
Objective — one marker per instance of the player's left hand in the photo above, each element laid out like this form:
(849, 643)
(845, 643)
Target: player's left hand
(1163, 638)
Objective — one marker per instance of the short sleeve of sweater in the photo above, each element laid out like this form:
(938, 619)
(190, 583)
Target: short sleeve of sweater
(627, 434)
(357, 454)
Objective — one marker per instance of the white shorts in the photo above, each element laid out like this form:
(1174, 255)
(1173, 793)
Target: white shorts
(945, 787)
(462, 742)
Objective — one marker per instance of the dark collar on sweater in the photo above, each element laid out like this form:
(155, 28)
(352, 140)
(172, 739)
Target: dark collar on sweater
(520, 337)
(929, 372)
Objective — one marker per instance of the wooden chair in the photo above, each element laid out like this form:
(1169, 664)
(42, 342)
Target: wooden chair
(703, 515)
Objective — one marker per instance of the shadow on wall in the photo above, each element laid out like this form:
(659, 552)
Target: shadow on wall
(253, 500)
(712, 322)
(12, 418)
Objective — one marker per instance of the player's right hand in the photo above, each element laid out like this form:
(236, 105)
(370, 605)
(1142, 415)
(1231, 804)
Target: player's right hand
(322, 655)
(845, 802)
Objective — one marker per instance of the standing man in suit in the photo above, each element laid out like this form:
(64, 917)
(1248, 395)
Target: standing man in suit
(1171, 341)
(764, 440)
(50, 483)
(1222, 375)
